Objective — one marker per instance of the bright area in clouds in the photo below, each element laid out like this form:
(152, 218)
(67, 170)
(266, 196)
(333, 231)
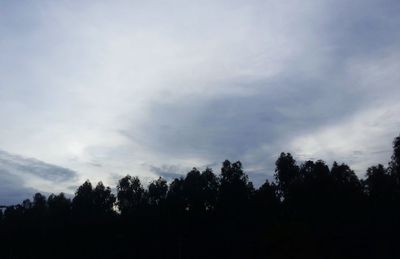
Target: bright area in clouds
(99, 89)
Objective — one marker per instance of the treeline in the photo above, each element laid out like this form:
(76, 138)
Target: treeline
(308, 211)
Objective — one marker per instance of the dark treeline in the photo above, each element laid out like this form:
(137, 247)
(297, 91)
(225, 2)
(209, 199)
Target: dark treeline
(308, 211)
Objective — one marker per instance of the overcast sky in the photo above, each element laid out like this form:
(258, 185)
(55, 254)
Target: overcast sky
(100, 89)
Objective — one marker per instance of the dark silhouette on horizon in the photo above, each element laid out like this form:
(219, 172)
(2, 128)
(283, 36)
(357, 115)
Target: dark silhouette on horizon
(310, 210)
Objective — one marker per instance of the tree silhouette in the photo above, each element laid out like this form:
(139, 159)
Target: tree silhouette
(286, 173)
(379, 184)
(193, 192)
(209, 189)
(39, 201)
(158, 191)
(39, 206)
(59, 205)
(235, 190)
(267, 198)
(131, 194)
(27, 204)
(394, 165)
(103, 200)
(176, 200)
(309, 211)
(82, 203)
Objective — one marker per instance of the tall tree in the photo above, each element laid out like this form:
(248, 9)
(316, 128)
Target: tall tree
(379, 184)
(192, 189)
(82, 203)
(394, 165)
(39, 201)
(266, 198)
(157, 191)
(345, 181)
(210, 186)
(131, 194)
(39, 205)
(103, 199)
(286, 173)
(175, 197)
(235, 190)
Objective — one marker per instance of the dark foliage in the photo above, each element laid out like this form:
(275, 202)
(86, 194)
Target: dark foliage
(310, 211)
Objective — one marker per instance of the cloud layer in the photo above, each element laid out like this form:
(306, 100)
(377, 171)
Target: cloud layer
(108, 89)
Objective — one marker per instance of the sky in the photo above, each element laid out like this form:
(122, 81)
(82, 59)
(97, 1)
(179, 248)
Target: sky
(100, 89)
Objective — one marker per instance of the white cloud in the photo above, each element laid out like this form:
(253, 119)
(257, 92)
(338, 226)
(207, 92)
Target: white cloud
(362, 140)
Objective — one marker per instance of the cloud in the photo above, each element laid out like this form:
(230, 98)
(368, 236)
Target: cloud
(106, 89)
(12, 189)
(354, 140)
(21, 177)
(34, 167)
(344, 76)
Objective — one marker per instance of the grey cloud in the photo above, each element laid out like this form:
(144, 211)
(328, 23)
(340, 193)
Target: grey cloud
(231, 126)
(362, 28)
(12, 189)
(16, 172)
(276, 110)
(358, 153)
(95, 164)
(34, 167)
